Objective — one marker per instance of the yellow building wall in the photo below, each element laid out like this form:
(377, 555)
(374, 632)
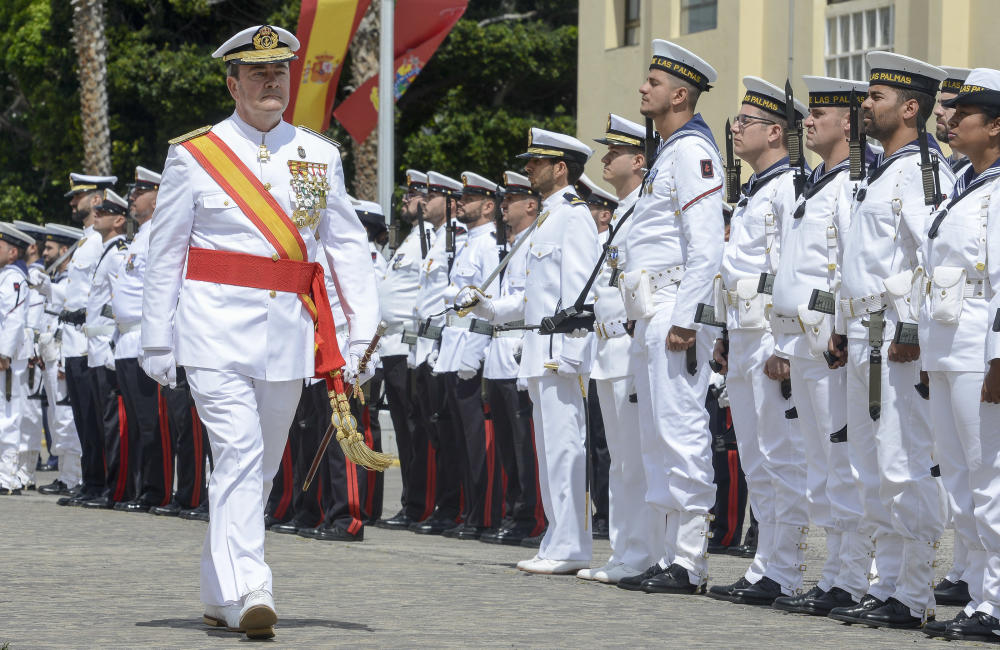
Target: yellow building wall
(752, 37)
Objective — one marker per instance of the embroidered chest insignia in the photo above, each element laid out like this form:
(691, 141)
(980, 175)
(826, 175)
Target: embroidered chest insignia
(310, 184)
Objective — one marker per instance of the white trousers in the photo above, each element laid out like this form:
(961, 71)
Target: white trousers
(986, 497)
(772, 440)
(247, 422)
(675, 440)
(904, 505)
(954, 407)
(559, 408)
(820, 397)
(62, 428)
(10, 423)
(635, 528)
(30, 445)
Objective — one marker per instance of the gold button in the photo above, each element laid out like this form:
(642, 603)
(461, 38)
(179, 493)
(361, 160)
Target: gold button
(273, 293)
(225, 202)
(267, 186)
(275, 257)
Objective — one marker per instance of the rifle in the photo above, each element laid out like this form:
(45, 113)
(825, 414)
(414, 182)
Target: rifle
(732, 168)
(793, 140)
(449, 232)
(424, 244)
(857, 142)
(501, 231)
(928, 168)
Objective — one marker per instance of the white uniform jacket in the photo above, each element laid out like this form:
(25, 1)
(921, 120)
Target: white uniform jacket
(501, 361)
(562, 252)
(433, 289)
(462, 349)
(242, 329)
(79, 276)
(13, 310)
(126, 294)
(956, 292)
(889, 222)
(611, 350)
(50, 329)
(678, 218)
(100, 328)
(398, 294)
(34, 319)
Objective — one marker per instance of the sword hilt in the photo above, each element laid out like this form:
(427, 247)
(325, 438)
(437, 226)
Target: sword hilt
(465, 309)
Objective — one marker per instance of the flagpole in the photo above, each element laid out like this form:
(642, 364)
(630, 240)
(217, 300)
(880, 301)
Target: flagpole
(386, 108)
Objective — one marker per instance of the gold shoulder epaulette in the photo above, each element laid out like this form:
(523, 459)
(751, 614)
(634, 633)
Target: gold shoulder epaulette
(191, 134)
(320, 135)
(573, 199)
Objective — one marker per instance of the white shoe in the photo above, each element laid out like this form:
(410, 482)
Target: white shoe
(554, 567)
(524, 563)
(592, 574)
(611, 573)
(257, 617)
(227, 616)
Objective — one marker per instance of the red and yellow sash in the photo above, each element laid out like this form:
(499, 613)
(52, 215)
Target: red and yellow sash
(257, 203)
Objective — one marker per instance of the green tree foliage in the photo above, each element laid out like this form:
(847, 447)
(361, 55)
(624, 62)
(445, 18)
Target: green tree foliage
(470, 108)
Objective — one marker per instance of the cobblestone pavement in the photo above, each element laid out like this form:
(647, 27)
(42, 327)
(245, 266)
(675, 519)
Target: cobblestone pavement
(83, 579)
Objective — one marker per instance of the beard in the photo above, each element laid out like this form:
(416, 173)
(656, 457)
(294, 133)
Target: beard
(80, 214)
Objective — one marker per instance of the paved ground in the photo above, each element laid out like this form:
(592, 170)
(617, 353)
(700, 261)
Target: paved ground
(72, 578)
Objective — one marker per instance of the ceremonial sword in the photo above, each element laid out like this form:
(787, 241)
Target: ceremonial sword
(331, 430)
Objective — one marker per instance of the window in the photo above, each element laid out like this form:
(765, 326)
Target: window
(850, 35)
(631, 34)
(698, 15)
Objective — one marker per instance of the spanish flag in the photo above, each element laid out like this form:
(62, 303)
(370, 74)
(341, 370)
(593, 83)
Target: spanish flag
(325, 29)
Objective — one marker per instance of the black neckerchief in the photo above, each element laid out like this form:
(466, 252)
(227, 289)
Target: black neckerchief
(966, 183)
(756, 182)
(814, 186)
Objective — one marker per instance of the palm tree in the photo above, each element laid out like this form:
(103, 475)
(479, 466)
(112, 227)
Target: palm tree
(91, 51)
(364, 65)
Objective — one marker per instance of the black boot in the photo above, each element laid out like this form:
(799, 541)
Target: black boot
(674, 580)
(978, 627)
(634, 583)
(796, 603)
(952, 593)
(938, 628)
(819, 605)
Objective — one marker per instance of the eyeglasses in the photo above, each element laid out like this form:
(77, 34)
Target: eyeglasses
(741, 121)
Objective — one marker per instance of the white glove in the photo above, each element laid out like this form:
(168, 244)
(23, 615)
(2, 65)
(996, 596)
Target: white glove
(110, 364)
(39, 281)
(563, 367)
(467, 295)
(432, 358)
(352, 373)
(467, 373)
(522, 383)
(483, 306)
(578, 333)
(160, 365)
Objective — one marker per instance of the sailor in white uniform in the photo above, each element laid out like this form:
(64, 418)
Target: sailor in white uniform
(889, 440)
(673, 251)
(247, 203)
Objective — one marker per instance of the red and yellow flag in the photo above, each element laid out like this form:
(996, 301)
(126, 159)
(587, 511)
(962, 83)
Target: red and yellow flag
(325, 29)
(420, 29)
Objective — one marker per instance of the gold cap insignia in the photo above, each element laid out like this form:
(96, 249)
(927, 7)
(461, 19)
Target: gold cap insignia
(265, 39)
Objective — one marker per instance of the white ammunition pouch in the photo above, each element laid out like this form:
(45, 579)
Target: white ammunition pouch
(898, 289)
(48, 347)
(817, 327)
(751, 307)
(947, 293)
(642, 290)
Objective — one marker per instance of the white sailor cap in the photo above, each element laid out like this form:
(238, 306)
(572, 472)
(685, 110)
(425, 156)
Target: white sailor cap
(891, 69)
(956, 77)
(594, 195)
(146, 179)
(514, 183)
(113, 203)
(62, 234)
(259, 44)
(768, 97)
(443, 184)
(33, 230)
(830, 91)
(80, 183)
(675, 60)
(623, 132)
(549, 144)
(370, 213)
(473, 183)
(13, 236)
(981, 87)
(416, 181)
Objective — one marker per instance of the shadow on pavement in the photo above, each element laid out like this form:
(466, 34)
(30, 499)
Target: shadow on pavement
(283, 623)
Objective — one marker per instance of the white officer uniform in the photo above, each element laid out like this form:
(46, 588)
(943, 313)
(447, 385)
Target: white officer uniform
(673, 252)
(562, 251)
(246, 350)
(62, 428)
(399, 284)
(809, 254)
(634, 527)
(100, 328)
(126, 295)
(954, 321)
(31, 406)
(465, 339)
(904, 504)
(13, 315)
